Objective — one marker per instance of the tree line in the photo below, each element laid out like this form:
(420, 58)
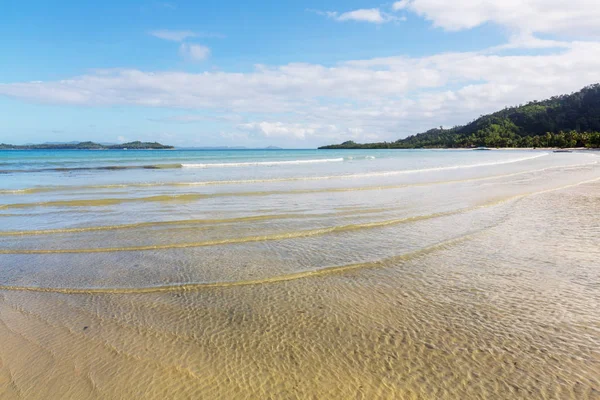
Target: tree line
(571, 120)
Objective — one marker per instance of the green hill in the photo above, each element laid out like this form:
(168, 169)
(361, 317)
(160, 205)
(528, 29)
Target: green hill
(87, 146)
(571, 120)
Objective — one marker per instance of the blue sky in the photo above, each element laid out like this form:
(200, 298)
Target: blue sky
(275, 73)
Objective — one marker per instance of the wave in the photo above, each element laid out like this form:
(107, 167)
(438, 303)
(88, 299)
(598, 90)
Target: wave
(350, 158)
(326, 270)
(262, 163)
(264, 238)
(295, 234)
(171, 166)
(382, 173)
(187, 222)
(253, 218)
(98, 168)
(454, 167)
(188, 197)
(42, 189)
(105, 201)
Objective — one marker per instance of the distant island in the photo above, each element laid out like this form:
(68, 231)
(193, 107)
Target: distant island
(565, 121)
(137, 145)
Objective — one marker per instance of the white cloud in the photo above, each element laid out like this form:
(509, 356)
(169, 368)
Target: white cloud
(178, 36)
(194, 52)
(372, 15)
(302, 130)
(275, 129)
(371, 99)
(528, 41)
(175, 36)
(400, 5)
(572, 18)
(367, 15)
(193, 118)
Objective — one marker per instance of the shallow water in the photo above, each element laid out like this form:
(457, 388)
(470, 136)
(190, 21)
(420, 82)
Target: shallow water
(299, 274)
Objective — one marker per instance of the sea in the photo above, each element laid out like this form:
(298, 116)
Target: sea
(282, 274)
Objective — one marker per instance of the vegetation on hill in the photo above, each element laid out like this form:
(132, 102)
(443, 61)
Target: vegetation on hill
(140, 145)
(562, 121)
(87, 146)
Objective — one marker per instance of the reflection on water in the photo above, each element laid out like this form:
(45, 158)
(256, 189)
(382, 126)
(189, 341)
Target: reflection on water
(411, 275)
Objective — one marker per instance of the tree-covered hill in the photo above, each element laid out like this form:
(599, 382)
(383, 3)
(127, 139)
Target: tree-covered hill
(571, 120)
(87, 146)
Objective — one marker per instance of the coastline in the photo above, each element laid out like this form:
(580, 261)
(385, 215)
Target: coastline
(472, 148)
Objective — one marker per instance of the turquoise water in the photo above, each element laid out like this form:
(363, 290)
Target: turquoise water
(21, 169)
(138, 207)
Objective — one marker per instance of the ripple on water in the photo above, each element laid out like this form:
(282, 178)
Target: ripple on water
(497, 301)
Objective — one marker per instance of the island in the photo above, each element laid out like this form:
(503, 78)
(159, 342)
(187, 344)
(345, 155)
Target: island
(137, 145)
(567, 121)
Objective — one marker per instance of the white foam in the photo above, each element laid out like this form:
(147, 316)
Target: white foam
(365, 174)
(448, 168)
(262, 163)
(308, 178)
(350, 158)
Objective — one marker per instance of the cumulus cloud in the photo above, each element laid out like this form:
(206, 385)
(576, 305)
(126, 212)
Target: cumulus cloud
(194, 52)
(193, 118)
(178, 36)
(274, 129)
(400, 5)
(370, 99)
(303, 130)
(575, 17)
(528, 41)
(372, 15)
(175, 36)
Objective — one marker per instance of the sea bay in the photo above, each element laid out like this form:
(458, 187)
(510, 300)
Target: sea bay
(299, 274)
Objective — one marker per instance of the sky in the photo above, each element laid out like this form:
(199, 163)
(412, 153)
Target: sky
(281, 73)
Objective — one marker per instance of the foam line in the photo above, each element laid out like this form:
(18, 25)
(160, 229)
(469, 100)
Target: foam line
(199, 196)
(275, 279)
(263, 163)
(287, 235)
(273, 180)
